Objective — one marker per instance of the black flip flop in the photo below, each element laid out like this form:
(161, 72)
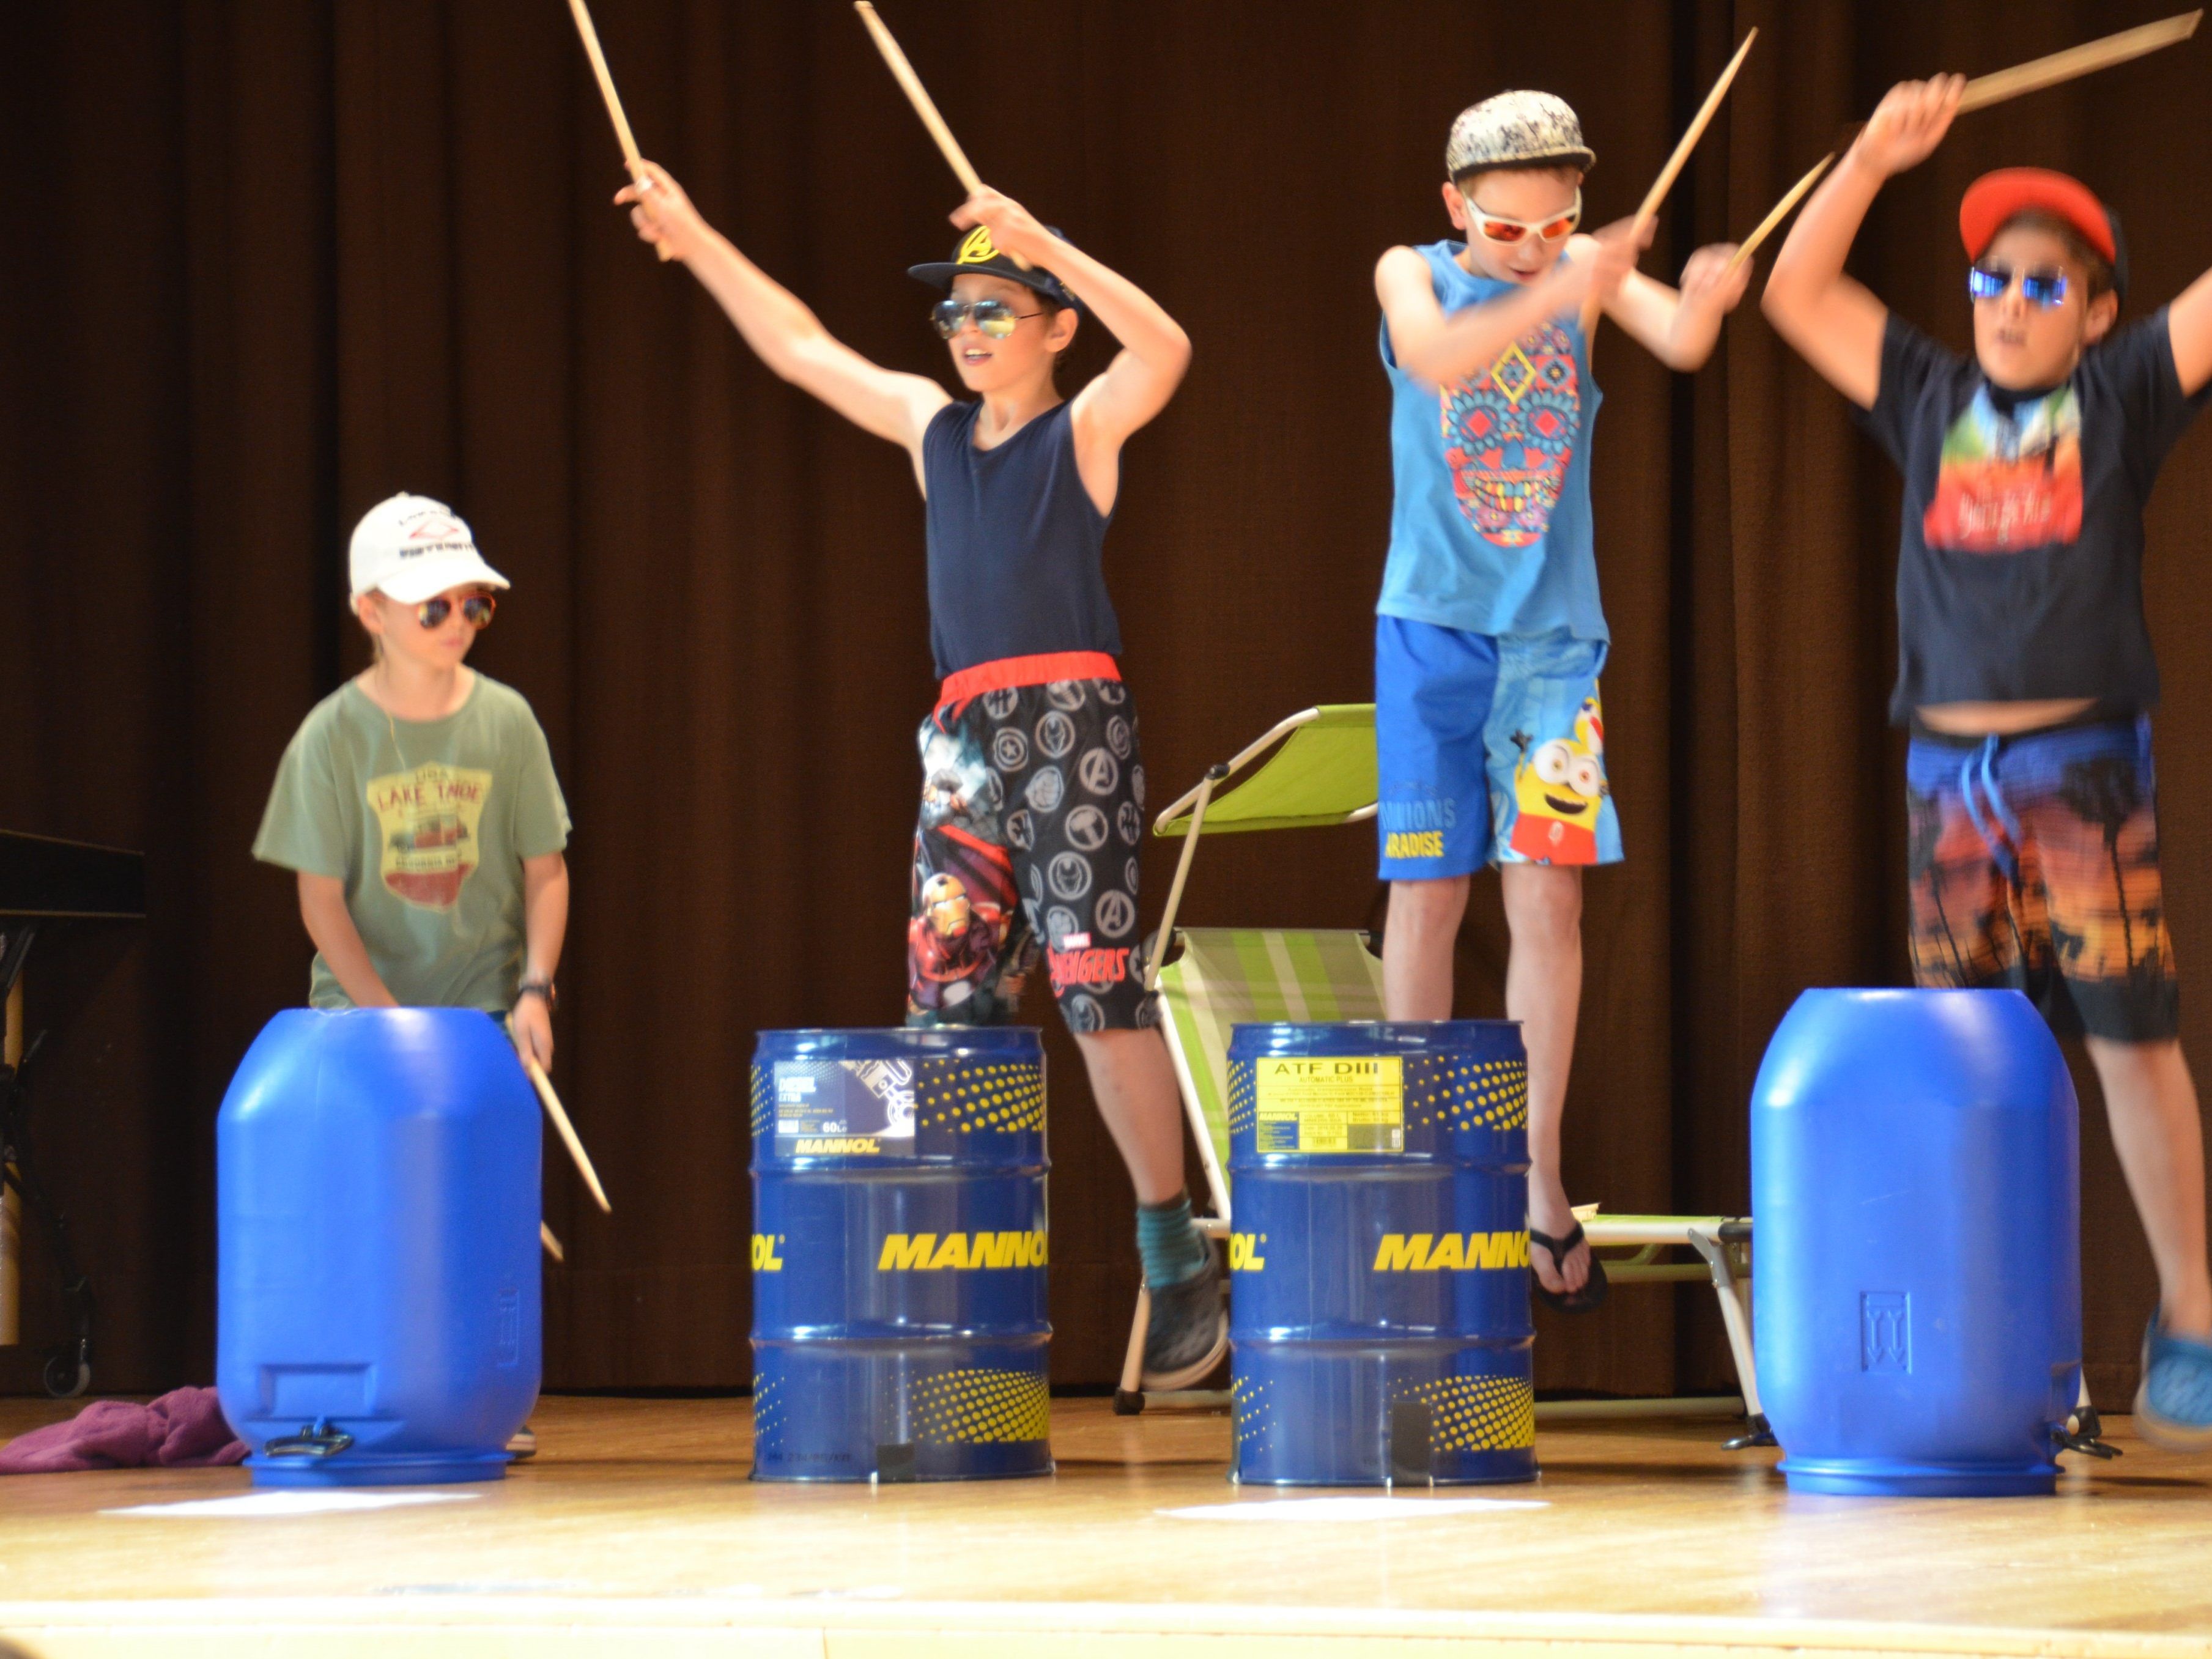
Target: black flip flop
(1593, 1292)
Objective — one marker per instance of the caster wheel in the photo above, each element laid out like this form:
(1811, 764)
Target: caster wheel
(67, 1375)
(1127, 1404)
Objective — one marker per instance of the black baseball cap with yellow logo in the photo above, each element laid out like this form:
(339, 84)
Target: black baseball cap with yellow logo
(979, 255)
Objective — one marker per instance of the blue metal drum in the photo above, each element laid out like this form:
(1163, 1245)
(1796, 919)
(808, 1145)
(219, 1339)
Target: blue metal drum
(376, 1247)
(1917, 1302)
(899, 1255)
(1379, 1313)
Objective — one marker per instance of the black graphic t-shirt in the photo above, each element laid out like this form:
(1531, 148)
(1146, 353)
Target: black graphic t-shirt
(2020, 571)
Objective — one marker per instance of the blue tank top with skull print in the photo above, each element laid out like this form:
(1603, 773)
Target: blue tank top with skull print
(1489, 530)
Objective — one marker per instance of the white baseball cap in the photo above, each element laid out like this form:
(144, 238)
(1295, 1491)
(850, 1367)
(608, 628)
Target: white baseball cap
(411, 549)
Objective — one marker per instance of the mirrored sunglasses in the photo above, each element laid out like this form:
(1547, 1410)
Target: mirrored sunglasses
(476, 611)
(1497, 229)
(2041, 285)
(994, 317)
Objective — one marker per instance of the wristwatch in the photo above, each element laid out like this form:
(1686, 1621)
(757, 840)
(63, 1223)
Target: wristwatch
(539, 988)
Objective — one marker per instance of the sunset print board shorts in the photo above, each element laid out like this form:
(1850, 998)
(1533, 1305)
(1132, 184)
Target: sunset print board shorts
(1489, 751)
(2033, 863)
(1025, 858)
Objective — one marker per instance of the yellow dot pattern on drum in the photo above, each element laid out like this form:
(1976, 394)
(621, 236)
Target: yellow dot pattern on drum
(970, 1407)
(763, 1102)
(1478, 1414)
(1251, 1414)
(1493, 1095)
(1243, 1094)
(768, 1413)
(1009, 1099)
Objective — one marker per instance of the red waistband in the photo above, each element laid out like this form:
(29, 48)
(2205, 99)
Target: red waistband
(1007, 672)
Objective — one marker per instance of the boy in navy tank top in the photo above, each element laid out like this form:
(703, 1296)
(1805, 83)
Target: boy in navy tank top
(1033, 789)
(1488, 636)
(2024, 658)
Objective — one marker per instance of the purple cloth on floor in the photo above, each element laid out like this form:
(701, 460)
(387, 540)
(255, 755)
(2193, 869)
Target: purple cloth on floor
(183, 1429)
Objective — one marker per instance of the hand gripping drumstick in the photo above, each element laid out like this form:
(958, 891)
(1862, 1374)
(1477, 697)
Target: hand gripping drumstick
(918, 95)
(568, 1131)
(1986, 89)
(623, 135)
(1675, 162)
(1781, 211)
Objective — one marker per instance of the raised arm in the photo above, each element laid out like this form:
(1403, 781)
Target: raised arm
(2189, 324)
(786, 336)
(1433, 347)
(1680, 326)
(1833, 321)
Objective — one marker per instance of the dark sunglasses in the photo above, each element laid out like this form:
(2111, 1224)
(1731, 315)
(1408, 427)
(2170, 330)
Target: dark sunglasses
(994, 317)
(476, 611)
(2044, 286)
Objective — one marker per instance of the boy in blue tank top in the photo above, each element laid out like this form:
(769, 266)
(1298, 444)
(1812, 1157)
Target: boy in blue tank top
(1033, 787)
(1488, 636)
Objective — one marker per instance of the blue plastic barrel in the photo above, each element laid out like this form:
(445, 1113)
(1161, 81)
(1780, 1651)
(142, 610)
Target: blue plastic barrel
(1918, 1299)
(899, 1253)
(376, 1247)
(1379, 1313)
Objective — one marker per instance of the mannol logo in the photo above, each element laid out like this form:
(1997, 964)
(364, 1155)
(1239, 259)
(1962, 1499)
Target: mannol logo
(765, 1259)
(1418, 1253)
(936, 1253)
(1244, 1256)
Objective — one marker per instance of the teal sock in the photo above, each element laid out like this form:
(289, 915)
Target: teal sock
(1172, 1249)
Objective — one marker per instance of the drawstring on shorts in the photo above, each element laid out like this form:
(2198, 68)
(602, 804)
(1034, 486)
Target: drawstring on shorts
(2004, 850)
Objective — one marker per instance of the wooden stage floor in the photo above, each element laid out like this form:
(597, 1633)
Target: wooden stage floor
(636, 1533)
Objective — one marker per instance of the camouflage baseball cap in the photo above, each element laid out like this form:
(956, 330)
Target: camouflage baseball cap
(1516, 130)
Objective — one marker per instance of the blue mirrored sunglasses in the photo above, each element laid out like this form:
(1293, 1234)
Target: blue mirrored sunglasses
(2044, 286)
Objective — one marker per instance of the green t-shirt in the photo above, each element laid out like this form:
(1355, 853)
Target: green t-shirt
(427, 822)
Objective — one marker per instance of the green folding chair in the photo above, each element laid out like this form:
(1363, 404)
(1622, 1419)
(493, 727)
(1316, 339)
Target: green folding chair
(1227, 976)
(1324, 773)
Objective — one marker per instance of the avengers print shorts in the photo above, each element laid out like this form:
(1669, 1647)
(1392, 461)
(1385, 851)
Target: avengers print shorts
(2033, 863)
(1025, 857)
(1490, 750)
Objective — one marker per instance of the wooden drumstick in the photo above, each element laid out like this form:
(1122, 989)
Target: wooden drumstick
(924, 106)
(623, 135)
(568, 1131)
(1781, 210)
(1675, 162)
(552, 1244)
(2086, 59)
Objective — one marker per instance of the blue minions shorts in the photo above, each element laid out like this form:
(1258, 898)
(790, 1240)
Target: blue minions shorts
(1491, 751)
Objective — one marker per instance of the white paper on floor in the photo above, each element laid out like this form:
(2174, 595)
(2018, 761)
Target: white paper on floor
(1349, 1509)
(256, 1505)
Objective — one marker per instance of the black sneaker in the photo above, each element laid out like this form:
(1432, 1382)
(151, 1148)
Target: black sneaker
(1188, 1330)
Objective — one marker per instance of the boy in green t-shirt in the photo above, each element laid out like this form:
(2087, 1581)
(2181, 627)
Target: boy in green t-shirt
(417, 801)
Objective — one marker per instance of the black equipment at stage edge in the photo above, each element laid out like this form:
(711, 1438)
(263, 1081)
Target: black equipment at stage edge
(46, 884)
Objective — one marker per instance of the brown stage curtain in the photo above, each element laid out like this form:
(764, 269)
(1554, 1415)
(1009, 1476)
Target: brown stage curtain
(266, 263)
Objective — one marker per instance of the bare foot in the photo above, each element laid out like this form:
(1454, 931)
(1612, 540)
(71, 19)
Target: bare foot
(1550, 1212)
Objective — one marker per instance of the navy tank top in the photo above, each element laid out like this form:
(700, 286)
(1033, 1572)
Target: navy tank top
(1014, 545)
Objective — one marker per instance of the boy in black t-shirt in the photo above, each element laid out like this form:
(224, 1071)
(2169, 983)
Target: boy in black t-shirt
(2024, 665)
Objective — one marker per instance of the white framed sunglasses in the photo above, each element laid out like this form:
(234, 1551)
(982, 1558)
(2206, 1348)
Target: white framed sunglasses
(1497, 228)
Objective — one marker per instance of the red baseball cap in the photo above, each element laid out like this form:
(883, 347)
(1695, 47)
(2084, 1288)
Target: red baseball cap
(1996, 197)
